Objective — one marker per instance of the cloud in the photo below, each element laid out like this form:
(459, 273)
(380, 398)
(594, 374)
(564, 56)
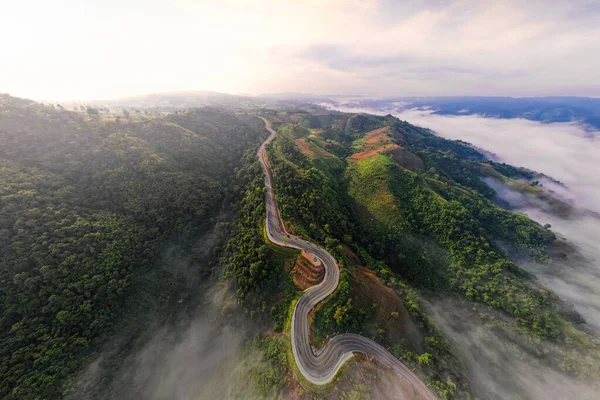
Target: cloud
(566, 152)
(342, 58)
(497, 368)
(375, 47)
(472, 48)
(194, 349)
(197, 358)
(576, 278)
(501, 364)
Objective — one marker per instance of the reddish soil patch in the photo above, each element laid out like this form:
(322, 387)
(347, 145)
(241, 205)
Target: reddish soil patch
(378, 137)
(307, 271)
(372, 152)
(304, 148)
(390, 314)
(406, 159)
(376, 141)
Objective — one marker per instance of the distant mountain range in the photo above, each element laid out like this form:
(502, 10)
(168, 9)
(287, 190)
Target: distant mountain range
(584, 110)
(175, 100)
(168, 101)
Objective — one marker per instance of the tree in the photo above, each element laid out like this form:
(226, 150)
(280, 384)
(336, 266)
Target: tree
(92, 112)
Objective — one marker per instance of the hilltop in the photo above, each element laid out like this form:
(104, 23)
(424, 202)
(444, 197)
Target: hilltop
(416, 210)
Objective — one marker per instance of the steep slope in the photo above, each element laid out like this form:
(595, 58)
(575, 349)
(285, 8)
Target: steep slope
(86, 207)
(425, 220)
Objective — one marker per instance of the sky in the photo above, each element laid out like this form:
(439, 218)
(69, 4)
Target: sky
(104, 49)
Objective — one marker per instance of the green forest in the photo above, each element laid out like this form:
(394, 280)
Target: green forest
(87, 203)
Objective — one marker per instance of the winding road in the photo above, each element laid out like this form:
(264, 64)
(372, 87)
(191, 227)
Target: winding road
(320, 367)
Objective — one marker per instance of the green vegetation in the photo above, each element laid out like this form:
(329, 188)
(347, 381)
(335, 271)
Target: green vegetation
(337, 313)
(85, 207)
(434, 355)
(280, 311)
(90, 202)
(436, 229)
(308, 190)
(246, 255)
(476, 270)
(268, 378)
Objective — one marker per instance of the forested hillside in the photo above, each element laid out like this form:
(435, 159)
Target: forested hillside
(87, 202)
(416, 209)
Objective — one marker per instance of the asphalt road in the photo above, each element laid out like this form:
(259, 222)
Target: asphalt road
(320, 367)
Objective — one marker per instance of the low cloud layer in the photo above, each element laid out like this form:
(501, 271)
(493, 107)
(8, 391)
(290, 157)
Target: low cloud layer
(501, 364)
(566, 152)
(196, 359)
(190, 350)
(563, 151)
(575, 279)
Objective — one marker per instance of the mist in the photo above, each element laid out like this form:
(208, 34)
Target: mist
(197, 349)
(198, 358)
(566, 152)
(500, 363)
(201, 358)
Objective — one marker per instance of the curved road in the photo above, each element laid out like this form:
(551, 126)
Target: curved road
(321, 367)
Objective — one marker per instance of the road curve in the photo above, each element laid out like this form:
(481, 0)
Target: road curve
(320, 367)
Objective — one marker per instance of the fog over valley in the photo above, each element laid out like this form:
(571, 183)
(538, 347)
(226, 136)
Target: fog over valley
(564, 152)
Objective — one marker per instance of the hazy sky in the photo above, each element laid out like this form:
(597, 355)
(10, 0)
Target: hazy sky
(69, 49)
